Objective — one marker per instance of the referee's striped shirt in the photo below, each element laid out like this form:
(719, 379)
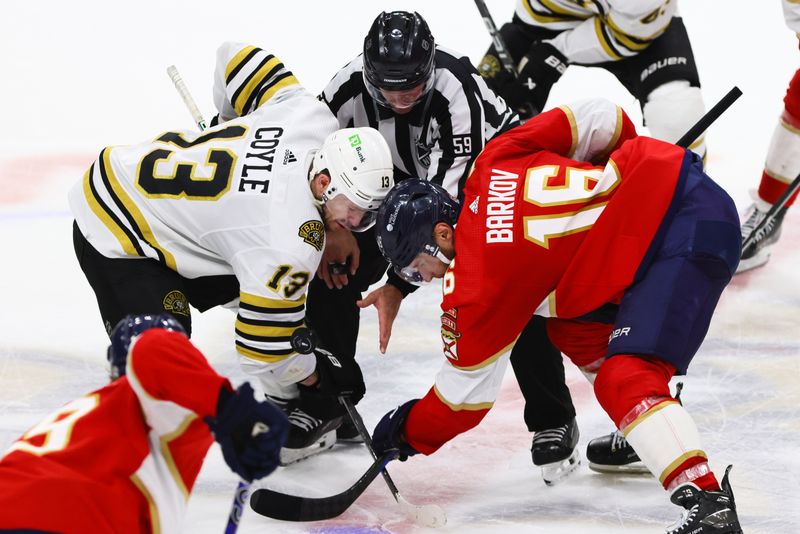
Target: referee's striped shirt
(441, 136)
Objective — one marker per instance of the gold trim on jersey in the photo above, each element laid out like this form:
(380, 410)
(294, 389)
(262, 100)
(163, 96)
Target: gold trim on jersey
(254, 84)
(155, 523)
(124, 241)
(645, 415)
(466, 406)
(573, 127)
(697, 453)
(276, 86)
(788, 126)
(164, 442)
(602, 155)
(487, 361)
(265, 332)
(631, 42)
(568, 215)
(238, 60)
(554, 16)
(564, 10)
(605, 41)
(134, 215)
(261, 357)
(267, 303)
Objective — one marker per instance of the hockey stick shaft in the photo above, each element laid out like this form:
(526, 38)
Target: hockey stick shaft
(705, 121)
(497, 39)
(177, 80)
(242, 491)
(364, 433)
(772, 212)
(286, 507)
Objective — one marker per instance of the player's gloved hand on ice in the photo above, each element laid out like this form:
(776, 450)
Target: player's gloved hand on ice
(250, 433)
(541, 67)
(388, 433)
(338, 376)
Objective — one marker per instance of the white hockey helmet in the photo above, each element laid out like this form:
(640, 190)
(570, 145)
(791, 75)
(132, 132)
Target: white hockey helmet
(359, 162)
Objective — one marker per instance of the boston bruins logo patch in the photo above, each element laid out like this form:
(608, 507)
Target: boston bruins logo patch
(313, 233)
(176, 303)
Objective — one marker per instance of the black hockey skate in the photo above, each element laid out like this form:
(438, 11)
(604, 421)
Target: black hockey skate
(554, 450)
(613, 454)
(757, 254)
(308, 436)
(347, 432)
(707, 512)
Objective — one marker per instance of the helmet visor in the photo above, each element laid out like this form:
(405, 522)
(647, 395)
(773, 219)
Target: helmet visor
(424, 268)
(400, 100)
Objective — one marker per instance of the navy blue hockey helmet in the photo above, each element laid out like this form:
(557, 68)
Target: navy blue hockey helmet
(128, 328)
(407, 217)
(398, 54)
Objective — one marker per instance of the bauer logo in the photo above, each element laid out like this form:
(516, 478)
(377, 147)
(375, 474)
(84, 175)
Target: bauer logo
(619, 332)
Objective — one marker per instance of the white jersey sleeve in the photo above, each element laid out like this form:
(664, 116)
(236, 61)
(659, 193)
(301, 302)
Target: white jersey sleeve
(791, 13)
(602, 30)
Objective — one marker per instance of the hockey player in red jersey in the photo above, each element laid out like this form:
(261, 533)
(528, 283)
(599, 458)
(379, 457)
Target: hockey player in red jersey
(781, 167)
(124, 458)
(621, 241)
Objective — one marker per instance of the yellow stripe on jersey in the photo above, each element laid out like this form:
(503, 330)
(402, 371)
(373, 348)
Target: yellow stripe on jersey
(261, 356)
(254, 84)
(268, 303)
(632, 43)
(155, 525)
(134, 212)
(237, 60)
(265, 331)
(608, 48)
(124, 241)
(472, 407)
(564, 10)
(164, 442)
(269, 93)
(545, 18)
(573, 126)
(487, 361)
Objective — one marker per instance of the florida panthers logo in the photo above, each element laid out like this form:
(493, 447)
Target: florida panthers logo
(449, 334)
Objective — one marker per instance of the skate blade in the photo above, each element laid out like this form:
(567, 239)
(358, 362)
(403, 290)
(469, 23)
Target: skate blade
(556, 472)
(635, 468)
(759, 259)
(291, 456)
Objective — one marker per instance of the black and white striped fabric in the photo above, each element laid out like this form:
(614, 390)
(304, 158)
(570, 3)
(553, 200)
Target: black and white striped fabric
(441, 136)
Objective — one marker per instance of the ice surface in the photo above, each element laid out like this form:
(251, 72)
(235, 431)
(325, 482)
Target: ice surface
(78, 77)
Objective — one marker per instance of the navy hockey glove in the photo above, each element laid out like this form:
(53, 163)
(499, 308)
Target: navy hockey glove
(250, 433)
(338, 376)
(388, 433)
(541, 67)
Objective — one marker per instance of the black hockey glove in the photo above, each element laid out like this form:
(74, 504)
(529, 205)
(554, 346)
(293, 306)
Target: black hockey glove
(338, 376)
(250, 433)
(541, 67)
(388, 433)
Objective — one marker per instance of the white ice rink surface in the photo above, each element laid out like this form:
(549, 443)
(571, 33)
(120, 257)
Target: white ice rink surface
(78, 76)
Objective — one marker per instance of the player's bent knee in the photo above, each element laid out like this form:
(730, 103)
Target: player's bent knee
(671, 109)
(624, 380)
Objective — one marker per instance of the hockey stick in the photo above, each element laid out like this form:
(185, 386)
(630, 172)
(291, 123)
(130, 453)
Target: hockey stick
(713, 114)
(286, 507)
(772, 212)
(429, 515)
(243, 488)
(175, 76)
(497, 39)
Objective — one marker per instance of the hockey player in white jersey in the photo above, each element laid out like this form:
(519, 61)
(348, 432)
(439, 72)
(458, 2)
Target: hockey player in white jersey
(644, 44)
(238, 211)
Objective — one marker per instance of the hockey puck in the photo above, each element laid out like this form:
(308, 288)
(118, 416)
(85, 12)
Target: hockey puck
(303, 340)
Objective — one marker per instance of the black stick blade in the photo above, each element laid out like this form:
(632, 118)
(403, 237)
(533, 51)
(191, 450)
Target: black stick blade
(285, 507)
